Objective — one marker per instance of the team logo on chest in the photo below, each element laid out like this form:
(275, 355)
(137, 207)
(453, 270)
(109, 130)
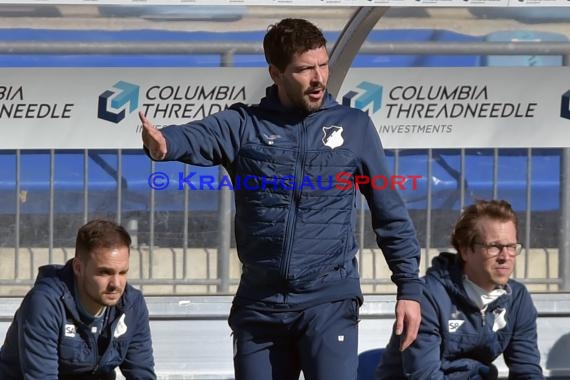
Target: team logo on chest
(121, 327)
(333, 136)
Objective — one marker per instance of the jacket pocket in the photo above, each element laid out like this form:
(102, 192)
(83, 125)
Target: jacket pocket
(75, 353)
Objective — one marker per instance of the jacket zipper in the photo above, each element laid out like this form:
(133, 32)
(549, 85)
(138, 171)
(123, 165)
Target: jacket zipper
(289, 228)
(92, 341)
(111, 328)
(94, 349)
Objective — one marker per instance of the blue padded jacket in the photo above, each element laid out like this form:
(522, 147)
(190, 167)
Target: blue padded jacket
(48, 341)
(293, 179)
(458, 341)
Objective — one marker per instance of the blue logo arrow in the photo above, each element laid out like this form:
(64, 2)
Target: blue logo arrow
(128, 94)
(565, 105)
(372, 95)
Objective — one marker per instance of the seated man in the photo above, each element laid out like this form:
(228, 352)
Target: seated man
(471, 311)
(82, 320)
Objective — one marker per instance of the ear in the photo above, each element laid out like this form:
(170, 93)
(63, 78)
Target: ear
(275, 74)
(76, 266)
(464, 251)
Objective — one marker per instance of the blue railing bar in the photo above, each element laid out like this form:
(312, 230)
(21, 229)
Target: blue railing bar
(19, 196)
(51, 228)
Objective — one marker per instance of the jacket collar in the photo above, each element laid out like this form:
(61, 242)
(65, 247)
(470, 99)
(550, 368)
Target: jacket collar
(447, 269)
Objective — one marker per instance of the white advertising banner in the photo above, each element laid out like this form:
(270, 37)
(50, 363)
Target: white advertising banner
(87, 108)
(70, 108)
(464, 107)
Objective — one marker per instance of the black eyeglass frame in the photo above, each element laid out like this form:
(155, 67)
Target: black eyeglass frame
(512, 249)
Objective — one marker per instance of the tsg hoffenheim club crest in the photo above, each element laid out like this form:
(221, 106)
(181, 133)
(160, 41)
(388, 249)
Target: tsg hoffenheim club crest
(332, 136)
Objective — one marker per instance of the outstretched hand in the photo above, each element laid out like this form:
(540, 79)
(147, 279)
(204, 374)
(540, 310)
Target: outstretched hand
(408, 318)
(153, 139)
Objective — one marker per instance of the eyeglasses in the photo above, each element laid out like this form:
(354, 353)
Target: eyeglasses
(494, 249)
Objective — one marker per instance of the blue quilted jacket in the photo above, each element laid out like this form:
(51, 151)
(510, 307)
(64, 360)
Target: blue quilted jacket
(458, 341)
(295, 214)
(48, 341)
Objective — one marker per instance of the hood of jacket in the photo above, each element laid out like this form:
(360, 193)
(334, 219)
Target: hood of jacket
(447, 269)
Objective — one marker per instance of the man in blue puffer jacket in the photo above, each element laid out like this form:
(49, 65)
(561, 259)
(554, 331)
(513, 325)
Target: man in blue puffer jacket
(82, 320)
(471, 311)
(294, 161)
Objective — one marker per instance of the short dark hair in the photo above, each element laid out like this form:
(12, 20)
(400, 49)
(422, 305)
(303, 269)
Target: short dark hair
(466, 231)
(288, 37)
(100, 233)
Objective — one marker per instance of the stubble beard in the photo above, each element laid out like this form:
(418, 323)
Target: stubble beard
(306, 105)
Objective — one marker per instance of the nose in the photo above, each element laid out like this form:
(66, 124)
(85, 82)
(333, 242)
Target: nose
(503, 254)
(318, 75)
(115, 281)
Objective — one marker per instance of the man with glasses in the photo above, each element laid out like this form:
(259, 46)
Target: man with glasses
(472, 311)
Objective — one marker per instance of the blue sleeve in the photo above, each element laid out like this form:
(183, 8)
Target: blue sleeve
(38, 336)
(422, 360)
(214, 140)
(391, 222)
(139, 361)
(522, 355)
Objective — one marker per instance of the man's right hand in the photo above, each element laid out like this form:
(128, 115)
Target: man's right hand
(153, 139)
